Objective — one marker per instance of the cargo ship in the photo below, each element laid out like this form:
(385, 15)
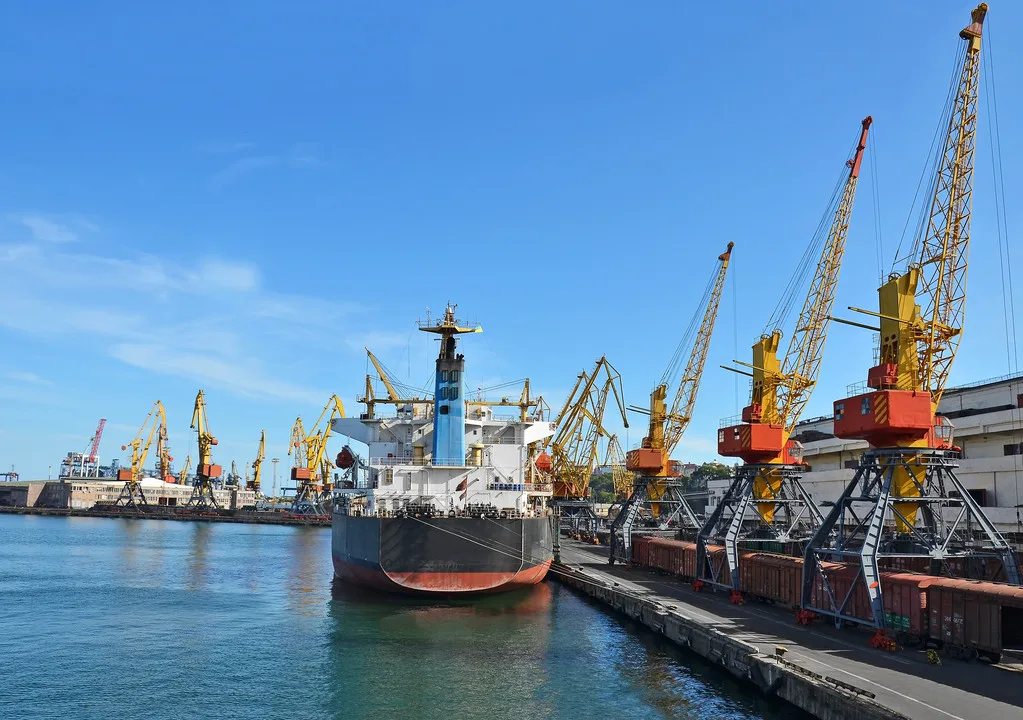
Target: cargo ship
(423, 515)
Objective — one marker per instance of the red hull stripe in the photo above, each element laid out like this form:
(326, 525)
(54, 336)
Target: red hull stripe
(440, 582)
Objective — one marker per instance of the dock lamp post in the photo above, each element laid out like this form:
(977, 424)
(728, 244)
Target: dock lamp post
(275, 461)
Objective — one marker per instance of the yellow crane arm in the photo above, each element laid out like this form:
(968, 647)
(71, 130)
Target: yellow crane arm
(258, 462)
(299, 442)
(677, 419)
(185, 469)
(316, 444)
(201, 426)
(392, 394)
(802, 362)
(575, 447)
(942, 259)
(156, 420)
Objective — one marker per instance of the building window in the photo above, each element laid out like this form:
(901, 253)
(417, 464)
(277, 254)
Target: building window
(453, 392)
(1013, 449)
(865, 406)
(444, 410)
(850, 464)
(839, 410)
(453, 376)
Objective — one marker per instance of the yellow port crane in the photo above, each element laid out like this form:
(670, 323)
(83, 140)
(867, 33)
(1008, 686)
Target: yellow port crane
(132, 494)
(905, 494)
(768, 481)
(253, 484)
(570, 456)
(656, 487)
(184, 471)
(205, 470)
(393, 395)
(312, 466)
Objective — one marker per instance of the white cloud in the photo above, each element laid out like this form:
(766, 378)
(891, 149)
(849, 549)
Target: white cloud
(300, 156)
(227, 275)
(377, 340)
(46, 230)
(243, 378)
(28, 378)
(212, 323)
(239, 168)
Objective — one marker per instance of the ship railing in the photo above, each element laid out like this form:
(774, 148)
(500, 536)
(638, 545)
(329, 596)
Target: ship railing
(520, 487)
(418, 462)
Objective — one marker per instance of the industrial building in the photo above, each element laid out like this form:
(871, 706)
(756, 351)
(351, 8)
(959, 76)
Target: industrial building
(86, 493)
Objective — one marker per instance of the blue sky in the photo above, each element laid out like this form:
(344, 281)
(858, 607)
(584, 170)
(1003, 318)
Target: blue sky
(240, 196)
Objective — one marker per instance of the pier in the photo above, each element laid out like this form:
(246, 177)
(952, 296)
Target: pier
(832, 674)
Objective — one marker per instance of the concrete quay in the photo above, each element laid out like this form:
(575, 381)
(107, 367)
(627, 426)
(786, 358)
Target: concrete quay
(829, 673)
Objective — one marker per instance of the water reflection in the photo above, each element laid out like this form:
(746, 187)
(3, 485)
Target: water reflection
(196, 567)
(307, 548)
(432, 659)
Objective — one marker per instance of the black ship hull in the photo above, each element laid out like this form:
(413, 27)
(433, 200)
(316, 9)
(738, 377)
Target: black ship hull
(441, 555)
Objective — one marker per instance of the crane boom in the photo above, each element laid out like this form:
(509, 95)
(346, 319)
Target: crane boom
(918, 346)
(945, 246)
(205, 469)
(806, 349)
(94, 447)
(667, 427)
(575, 447)
(782, 388)
(257, 464)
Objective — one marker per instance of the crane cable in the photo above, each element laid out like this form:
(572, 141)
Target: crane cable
(875, 198)
(934, 153)
(688, 338)
(1004, 254)
(808, 262)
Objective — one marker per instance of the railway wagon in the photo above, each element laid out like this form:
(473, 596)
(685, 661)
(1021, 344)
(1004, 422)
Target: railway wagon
(966, 618)
(971, 618)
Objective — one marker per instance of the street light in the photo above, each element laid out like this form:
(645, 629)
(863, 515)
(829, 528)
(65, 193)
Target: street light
(275, 461)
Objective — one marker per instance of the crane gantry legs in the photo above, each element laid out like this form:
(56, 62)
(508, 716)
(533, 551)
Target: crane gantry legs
(765, 505)
(879, 517)
(673, 514)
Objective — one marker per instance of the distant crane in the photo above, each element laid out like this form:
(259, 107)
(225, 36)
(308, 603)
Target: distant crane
(570, 456)
(257, 464)
(131, 494)
(657, 489)
(183, 475)
(905, 499)
(769, 479)
(394, 396)
(205, 470)
(312, 466)
(93, 457)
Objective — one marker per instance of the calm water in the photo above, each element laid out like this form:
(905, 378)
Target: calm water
(141, 618)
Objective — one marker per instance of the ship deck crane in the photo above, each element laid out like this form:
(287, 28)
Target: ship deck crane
(768, 483)
(905, 499)
(205, 470)
(312, 466)
(393, 395)
(657, 487)
(570, 456)
(132, 494)
(257, 464)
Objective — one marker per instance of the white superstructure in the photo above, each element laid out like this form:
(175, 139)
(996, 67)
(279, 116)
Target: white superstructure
(399, 469)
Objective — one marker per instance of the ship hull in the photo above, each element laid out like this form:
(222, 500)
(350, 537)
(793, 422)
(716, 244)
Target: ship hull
(440, 555)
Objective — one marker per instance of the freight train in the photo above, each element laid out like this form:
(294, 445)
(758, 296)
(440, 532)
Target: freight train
(968, 619)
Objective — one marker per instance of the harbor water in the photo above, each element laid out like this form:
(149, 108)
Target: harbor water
(143, 618)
